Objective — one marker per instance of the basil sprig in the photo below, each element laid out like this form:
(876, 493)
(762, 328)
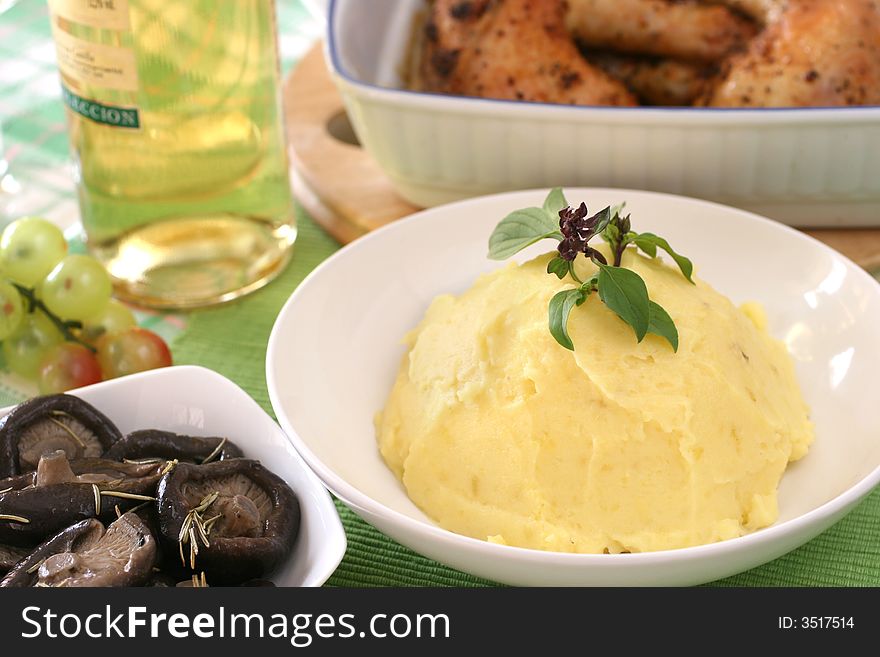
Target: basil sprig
(622, 290)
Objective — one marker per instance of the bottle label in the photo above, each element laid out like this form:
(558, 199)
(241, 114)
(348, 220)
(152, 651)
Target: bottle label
(107, 14)
(110, 67)
(119, 117)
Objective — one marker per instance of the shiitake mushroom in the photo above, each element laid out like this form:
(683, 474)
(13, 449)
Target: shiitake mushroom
(66, 467)
(153, 443)
(60, 493)
(233, 520)
(9, 556)
(54, 468)
(88, 554)
(161, 580)
(80, 533)
(43, 425)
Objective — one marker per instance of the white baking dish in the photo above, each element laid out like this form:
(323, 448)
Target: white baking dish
(806, 167)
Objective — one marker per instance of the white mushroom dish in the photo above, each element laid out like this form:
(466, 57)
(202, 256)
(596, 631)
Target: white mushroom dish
(83, 505)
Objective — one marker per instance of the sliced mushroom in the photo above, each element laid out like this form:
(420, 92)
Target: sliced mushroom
(42, 503)
(233, 520)
(9, 556)
(140, 477)
(152, 443)
(84, 533)
(54, 468)
(56, 422)
(17, 482)
(160, 580)
(88, 555)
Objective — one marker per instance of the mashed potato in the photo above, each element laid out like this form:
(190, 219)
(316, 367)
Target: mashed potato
(499, 433)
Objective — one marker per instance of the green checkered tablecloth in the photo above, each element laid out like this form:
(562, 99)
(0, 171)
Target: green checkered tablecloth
(232, 339)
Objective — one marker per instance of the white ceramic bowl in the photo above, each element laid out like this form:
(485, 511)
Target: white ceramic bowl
(806, 167)
(200, 402)
(336, 346)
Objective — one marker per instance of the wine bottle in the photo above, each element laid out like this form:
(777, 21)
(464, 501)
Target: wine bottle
(176, 131)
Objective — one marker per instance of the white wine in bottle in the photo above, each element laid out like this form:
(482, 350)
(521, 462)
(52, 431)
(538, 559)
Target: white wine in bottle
(175, 125)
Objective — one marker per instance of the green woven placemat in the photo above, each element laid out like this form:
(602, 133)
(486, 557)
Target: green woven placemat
(232, 340)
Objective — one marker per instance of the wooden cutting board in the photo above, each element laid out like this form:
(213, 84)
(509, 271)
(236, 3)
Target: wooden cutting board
(344, 189)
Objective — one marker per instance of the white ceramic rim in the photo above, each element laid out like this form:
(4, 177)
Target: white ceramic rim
(351, 495)
(339, 536)
(318, 9)
(700, 116)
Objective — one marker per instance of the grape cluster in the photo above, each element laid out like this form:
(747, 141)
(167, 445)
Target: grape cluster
(59, 325)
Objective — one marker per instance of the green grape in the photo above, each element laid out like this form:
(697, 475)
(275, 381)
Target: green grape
(25, 348)
(114, 318)
(78, 288)
(11, 309)
(29, 248)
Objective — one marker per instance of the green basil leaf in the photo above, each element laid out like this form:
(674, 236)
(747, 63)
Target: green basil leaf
(686, 266)
(555, 202)
(603, 219)
(559, 266)
(646, 245)
(661, 324)
(520, 229)
(625, 293)
(589, 285)
(560, 308)
(611, 234)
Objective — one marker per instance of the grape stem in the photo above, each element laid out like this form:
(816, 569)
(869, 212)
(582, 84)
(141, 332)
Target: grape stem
(66, 327)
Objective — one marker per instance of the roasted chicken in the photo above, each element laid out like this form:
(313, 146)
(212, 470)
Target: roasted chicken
(513, 50)
(682, 29)
(719, 53)
(654, 80)
(812, 53)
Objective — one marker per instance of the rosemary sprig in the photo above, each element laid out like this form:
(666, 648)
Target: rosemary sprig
(97, 492)
(213, 455)
(127, 496)
(35, 567)
(169, 466)
(137, 507)
(69, 431)
(196, 529)
(13, 518)
(209, 523)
